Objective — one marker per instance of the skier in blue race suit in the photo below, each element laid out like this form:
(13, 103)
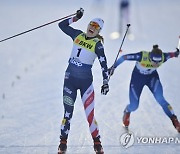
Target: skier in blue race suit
(145, 73)
(86, 47)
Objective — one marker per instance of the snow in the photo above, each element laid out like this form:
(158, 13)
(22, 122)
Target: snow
(32, 72)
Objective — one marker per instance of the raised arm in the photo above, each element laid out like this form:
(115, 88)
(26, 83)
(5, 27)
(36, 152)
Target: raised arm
(64, 25)
(169, 55)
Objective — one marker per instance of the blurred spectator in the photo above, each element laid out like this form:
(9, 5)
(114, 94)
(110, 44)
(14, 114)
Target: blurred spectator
(124, 14)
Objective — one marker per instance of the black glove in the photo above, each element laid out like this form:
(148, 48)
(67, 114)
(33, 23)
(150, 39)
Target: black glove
(79, 13)
(104, 89)
(111, 70)
(177, 52)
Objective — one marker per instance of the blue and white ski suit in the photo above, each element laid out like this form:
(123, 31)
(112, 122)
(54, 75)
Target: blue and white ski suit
(79, 76)
(145, 74)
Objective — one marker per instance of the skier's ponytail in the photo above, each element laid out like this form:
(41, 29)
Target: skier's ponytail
(100, 37)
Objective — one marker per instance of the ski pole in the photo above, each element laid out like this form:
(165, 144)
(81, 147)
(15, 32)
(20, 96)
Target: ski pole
(128, 25)
(179, 43)
(37, 27)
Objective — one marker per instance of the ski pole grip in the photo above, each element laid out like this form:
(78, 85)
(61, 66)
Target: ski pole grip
(128, 25)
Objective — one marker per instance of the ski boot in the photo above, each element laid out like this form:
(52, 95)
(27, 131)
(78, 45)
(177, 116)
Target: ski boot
(62, 148)
(175, 123)
(97, 145)
(126, 119)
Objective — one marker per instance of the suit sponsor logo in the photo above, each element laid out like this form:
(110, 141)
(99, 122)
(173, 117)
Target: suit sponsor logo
(68, 100)
(147, 65)
(67, 90)
(84, 44)
(75, 62)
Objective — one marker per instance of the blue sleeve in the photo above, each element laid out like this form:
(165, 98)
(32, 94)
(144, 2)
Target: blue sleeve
(64, 26)
(99, 50)
(168, 55)
(130, 57)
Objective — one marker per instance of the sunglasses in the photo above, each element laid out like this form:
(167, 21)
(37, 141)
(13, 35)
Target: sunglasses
(155, 60)
(95, 25)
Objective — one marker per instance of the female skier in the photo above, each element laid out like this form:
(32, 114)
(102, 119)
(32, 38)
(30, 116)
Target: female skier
(86, 47)
(145, 73)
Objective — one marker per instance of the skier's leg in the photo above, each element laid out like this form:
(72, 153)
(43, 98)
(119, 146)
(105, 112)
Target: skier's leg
(157, 90)
(135, 90)
(69, 97)
(87, 95)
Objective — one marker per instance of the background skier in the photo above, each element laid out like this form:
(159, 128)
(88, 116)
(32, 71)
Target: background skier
(145, 73)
